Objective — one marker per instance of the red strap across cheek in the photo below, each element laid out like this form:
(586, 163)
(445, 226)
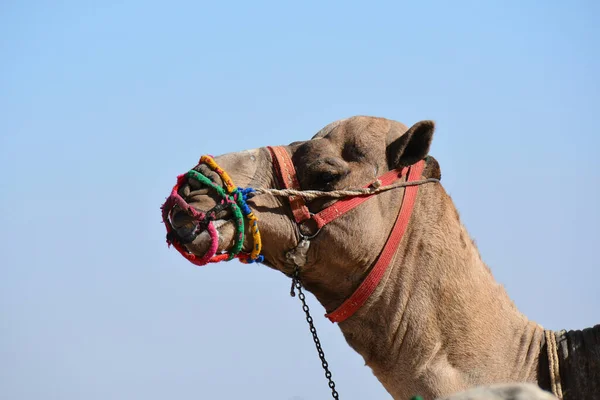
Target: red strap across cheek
(286, 172)
(341, 207)
(287, 176)
(367, 287)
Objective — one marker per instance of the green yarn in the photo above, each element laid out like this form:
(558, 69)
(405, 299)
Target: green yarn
(235, 208)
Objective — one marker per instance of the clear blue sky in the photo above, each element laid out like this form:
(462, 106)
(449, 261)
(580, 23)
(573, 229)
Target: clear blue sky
(103, 104)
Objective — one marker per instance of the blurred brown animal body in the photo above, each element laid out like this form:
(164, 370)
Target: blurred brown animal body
(438, 322)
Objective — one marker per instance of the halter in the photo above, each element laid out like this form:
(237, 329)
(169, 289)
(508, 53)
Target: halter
(287, 175)
(236, 199)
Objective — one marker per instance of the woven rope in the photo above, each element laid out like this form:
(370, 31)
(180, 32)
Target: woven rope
(232, 197)
(237, 212)
(553, 364)
(236, 199)
(337, 194)
(239, 196)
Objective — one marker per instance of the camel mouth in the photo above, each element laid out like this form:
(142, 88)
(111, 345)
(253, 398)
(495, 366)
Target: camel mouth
(206, 216)
(193, 233)
(200, 241)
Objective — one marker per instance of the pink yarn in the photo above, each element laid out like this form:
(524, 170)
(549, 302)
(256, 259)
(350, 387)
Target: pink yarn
(176, 199)
(212, 250)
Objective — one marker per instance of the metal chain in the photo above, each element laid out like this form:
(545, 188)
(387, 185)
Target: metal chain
(296, 284)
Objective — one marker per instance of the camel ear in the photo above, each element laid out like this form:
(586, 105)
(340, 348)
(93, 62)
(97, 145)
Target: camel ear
(412, 146)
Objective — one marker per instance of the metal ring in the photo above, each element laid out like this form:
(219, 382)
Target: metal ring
(305, 237)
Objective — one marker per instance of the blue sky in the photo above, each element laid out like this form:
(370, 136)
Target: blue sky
(102, 104)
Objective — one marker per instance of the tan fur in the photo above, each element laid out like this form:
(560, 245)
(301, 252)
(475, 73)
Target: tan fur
(438, 323)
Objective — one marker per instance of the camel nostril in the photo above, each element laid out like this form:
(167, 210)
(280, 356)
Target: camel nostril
(185, 225)
(179, 218)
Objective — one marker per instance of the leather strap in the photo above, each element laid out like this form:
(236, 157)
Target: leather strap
(341, 207)
(367, 287)
(287, 176)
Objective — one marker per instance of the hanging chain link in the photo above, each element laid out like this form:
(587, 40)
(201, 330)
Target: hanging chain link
(296, 284)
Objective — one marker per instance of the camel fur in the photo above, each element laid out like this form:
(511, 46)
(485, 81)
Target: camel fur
(438, 323)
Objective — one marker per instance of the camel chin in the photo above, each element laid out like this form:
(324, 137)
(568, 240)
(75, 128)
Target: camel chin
(200, 245)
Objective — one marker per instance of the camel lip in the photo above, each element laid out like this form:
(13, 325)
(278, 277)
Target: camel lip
(202, 238)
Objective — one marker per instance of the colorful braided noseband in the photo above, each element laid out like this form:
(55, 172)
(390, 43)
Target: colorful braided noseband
(231, 196)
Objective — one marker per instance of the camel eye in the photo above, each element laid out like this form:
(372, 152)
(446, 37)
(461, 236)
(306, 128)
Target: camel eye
(329, 177)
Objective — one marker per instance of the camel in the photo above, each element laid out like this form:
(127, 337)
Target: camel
(434, 322)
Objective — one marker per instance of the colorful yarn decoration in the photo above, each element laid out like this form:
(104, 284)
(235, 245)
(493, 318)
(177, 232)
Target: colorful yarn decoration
(208, 160)
(229, 200)
(232, 196)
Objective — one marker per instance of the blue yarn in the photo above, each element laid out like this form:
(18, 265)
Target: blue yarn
(258, 259)
(248, 192)
(241, 199)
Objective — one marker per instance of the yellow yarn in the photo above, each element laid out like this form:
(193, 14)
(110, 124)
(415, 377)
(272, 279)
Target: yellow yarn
(255, 236)
(208, 160)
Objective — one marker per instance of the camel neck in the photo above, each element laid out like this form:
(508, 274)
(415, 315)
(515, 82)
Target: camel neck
(439, 322)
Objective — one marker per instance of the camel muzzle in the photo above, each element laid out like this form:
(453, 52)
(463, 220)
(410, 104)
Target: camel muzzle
(186, 225)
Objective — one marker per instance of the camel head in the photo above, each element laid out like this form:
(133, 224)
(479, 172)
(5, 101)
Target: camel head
(346, 154)
(439, 322)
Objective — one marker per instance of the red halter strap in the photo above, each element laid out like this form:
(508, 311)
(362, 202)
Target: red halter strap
(341, 207)
(367, 287)
(287, 175)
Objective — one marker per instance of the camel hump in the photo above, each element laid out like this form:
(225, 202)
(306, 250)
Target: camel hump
(579, 361)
